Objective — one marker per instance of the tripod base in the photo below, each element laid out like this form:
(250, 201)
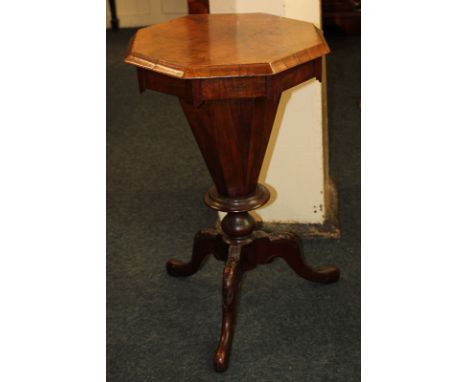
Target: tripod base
(240, 257)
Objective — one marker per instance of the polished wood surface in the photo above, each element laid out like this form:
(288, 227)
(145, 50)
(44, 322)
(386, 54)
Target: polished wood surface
(226, 45)
(231, 118)
(233, 136)
(197, 91)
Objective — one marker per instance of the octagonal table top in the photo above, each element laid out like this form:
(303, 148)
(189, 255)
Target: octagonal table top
(225, 45)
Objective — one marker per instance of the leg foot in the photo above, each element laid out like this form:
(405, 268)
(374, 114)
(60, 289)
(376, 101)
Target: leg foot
(231, 278)
(286, 246)
(260, 248)
(206, 242)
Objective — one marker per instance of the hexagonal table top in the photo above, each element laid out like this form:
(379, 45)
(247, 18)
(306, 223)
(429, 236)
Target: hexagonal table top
(225, 45)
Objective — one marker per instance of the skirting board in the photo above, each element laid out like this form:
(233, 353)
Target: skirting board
(329, 229)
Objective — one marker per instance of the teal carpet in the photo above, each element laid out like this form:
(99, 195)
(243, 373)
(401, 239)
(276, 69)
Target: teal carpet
(164, 329)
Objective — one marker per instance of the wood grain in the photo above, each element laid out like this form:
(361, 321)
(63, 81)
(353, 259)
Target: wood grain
(226, 45)
(228, 72)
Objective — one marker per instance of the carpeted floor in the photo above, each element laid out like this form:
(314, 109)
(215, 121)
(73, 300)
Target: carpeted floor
(165, 329)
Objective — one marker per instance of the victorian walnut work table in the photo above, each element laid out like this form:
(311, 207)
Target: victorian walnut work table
(228, 71)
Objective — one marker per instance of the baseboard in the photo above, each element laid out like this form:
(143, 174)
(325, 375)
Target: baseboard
(329, 229)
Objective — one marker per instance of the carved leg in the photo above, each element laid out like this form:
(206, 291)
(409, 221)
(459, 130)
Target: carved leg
(286, 246)
(206, 242)
(231, 278)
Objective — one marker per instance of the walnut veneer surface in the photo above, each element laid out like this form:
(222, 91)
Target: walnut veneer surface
(229, 72)
(226, 45)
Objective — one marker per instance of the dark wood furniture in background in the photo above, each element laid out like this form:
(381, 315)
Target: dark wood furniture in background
(114, 19)
(344, 14)
(198, 6)
(228, 72)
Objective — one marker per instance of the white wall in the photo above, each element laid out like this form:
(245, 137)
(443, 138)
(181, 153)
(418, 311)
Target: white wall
(294, 164)
(135, 13)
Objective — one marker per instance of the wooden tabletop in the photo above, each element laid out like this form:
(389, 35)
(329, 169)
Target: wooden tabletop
(226, 45)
